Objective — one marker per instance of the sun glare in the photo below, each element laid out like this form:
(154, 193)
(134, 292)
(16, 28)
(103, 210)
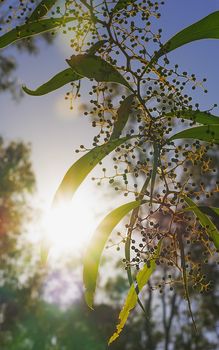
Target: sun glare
(68, 227)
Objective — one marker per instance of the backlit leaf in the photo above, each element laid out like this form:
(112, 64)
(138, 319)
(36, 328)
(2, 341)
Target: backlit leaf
(30, 29)
(42, 9)
(95, 48)
(204, 220)
(94, 67)
(59, 80)
(96, 246)
(208, 133)
(196, 116)
(121, 4)
(206, 28)
(211, 211)
(122, 116)
(83, 166)
(132, 297)
(154, 170)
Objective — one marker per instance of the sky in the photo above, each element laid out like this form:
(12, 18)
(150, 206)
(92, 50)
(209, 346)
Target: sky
(54, 132)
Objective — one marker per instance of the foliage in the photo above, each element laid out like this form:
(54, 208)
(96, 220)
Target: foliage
(132, 56)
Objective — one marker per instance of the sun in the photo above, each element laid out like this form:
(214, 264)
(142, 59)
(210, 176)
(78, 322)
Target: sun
(69, 226)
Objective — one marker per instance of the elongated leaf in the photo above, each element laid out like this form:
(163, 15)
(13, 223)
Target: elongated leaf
(83, 166)
(59, 80)
(211, 211)
(121, 4)
(95, 48)
(206, 28)
(205, 221)
(132, 297)
(42, 9)
(196, 116)
(94, 67)
(155, 165)
(96, 246)
(208, 133)
(31, 29)
(122, 116)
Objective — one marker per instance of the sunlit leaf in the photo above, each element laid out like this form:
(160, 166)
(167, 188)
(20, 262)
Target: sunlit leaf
(209, 133)
(30, 29)
(206, 28)
(204, 220)
(121, 4)
(96, 246)
(96, 47)
(196, 116)
(94, 67)
(83, 166)
(132, 297)
(59, 80)
(42, 9)
(122, 116)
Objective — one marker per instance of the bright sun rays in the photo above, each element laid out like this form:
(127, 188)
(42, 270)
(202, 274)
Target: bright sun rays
(68, 227)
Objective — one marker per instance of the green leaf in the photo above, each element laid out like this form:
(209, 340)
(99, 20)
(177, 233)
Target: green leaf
(211, 211)
(208, 133)
(204, 221)
(122, 116)
(95, 48)
(154, 170)
(83, 166)
(121, 4)
(94, 67)
(132, 297)
(96, 246)
(196, 116)
(30, 29)
(59, 80)
(206, 28)
(42, 9)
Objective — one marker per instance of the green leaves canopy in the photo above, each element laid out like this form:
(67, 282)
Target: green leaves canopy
(96, 246)
(33, 28)
(209, 133)
(132, 297)
(59, 80)
(206, 28)
(83, 166)
(94, 67)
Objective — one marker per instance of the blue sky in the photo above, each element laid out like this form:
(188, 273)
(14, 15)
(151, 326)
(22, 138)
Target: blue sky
(40, 120)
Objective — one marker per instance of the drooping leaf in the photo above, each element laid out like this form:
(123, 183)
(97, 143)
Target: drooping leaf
(155, 165)
(122, 116)
(132, 297)
(30, 29)
(121, 4)
(59, 80)
(96, 246)
(196, 116)
(212, 212)
(209, 133)
(204, 220)
(42, 9)
(206, 28)
(95, 48)
(132, 222)
(94, 67)
(83, 166)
